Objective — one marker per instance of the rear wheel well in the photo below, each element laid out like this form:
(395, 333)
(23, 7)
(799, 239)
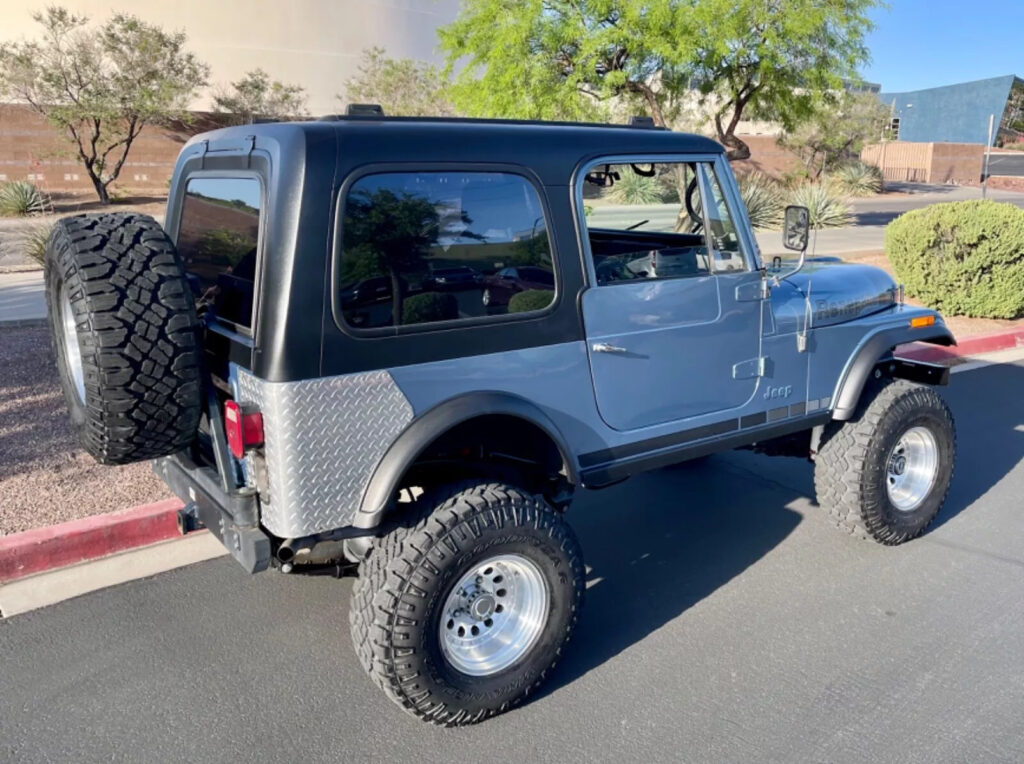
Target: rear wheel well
(494, 445)
(504, 447)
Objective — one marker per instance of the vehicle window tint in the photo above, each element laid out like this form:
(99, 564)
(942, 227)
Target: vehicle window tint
(647, 222)
(440, 246)
(217, 239)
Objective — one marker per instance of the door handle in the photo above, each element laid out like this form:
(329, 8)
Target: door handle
(604, 347)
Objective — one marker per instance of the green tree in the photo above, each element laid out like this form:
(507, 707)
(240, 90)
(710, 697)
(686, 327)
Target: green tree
(101, 86)
(568, 58)
(403, 87)
(836, 132)
(387, 233)
(256, 95)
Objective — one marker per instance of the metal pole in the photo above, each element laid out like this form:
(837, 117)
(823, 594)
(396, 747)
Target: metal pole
(988, 153)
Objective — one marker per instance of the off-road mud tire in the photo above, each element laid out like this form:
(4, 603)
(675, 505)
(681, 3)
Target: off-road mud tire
(850, 466)
(403, 584)
(137, 334)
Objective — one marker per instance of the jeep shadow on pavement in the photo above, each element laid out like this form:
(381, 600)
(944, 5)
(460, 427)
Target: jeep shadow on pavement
(398, 346)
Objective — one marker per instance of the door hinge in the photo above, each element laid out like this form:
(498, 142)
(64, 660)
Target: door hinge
(753, 368)
(752, 290)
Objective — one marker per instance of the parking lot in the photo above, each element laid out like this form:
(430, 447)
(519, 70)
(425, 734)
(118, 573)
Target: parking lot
(725, 620)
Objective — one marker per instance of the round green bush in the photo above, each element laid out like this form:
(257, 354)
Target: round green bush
(429, 306)
(531, 299)
(964, 258)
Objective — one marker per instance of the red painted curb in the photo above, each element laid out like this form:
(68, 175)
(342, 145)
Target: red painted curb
(986, 343)
(40, 549)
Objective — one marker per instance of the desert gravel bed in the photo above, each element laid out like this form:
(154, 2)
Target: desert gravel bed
(45, 478)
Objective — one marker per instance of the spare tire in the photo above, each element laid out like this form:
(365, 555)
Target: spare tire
(125, 334)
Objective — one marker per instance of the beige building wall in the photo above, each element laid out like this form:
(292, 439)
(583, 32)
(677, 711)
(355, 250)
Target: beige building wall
(314, 43)
(927, 162)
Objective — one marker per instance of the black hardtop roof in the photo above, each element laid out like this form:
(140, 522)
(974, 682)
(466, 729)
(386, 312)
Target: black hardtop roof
(583, 136)
(550, 149)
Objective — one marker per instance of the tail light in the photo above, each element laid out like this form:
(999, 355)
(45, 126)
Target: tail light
(244, 430)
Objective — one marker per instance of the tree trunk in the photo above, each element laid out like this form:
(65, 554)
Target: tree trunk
(736, 149)
(101, 189)
(651, 98)
(397, 298)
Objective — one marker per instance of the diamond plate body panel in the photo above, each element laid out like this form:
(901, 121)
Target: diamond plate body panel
(322, 439)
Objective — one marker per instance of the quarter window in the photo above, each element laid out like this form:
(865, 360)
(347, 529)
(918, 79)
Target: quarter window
(424, 247)
(218, 239)
(648, 221)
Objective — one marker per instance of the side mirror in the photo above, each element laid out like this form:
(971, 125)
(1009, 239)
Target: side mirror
(796, 229)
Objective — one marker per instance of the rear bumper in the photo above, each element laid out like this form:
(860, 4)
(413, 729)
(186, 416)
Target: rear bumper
(231, 517)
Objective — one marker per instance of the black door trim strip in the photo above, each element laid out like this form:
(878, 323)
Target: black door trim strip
(629, 450)
(611, 465)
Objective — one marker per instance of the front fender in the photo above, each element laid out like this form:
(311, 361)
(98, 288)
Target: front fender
(426, 428)
(873, 348)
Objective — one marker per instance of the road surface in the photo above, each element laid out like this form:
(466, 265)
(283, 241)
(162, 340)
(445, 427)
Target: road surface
(726, 620)
(1010, 163)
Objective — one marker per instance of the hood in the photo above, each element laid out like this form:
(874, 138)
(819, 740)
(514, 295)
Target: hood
(838, 291)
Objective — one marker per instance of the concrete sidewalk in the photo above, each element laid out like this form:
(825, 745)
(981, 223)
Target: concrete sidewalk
(21, 297)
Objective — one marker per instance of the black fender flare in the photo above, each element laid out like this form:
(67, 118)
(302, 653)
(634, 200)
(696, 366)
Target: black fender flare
(430, 425)
(870, 352)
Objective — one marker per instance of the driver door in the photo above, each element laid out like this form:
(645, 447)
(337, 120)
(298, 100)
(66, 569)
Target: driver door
(673, 319)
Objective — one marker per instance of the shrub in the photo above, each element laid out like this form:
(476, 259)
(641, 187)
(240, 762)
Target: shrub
(631, 188)
(32, 241)
(429, 306)
(20, 198)
(962, 257)
(764, 199)
(531, 299)
(859, 179)
(827, 209)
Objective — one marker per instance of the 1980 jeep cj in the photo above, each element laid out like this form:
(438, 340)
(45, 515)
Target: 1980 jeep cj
(401, 344)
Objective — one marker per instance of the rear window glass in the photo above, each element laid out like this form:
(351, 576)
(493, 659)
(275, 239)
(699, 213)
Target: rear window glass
(218, 238)
(441, 246)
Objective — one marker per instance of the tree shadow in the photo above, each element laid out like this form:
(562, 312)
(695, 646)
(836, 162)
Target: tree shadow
(909, 187)
(662, 542)
(66, 203)
(875, 217)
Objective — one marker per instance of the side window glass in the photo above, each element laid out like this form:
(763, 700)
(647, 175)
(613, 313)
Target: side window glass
(217, 240)
(442, 246)
(726, 253)
(647, 221)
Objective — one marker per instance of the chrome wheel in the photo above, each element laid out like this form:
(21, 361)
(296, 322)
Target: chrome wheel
(912, 468)
(493, 615)
(486, 299)
(72, 352)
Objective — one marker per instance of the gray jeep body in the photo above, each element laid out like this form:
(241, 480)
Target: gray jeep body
(607, 382)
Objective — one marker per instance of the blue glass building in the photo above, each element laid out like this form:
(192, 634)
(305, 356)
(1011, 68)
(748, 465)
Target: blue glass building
(959, 113)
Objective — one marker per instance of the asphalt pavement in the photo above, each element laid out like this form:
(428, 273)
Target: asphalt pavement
(726, 620)
(22, 297)
(1009, 163)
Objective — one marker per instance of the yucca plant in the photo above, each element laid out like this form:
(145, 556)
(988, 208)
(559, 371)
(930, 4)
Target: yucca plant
(20, 198)
(827, 209)
(32, 241)
(636, 189)
(859, 179)
(764, 199)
